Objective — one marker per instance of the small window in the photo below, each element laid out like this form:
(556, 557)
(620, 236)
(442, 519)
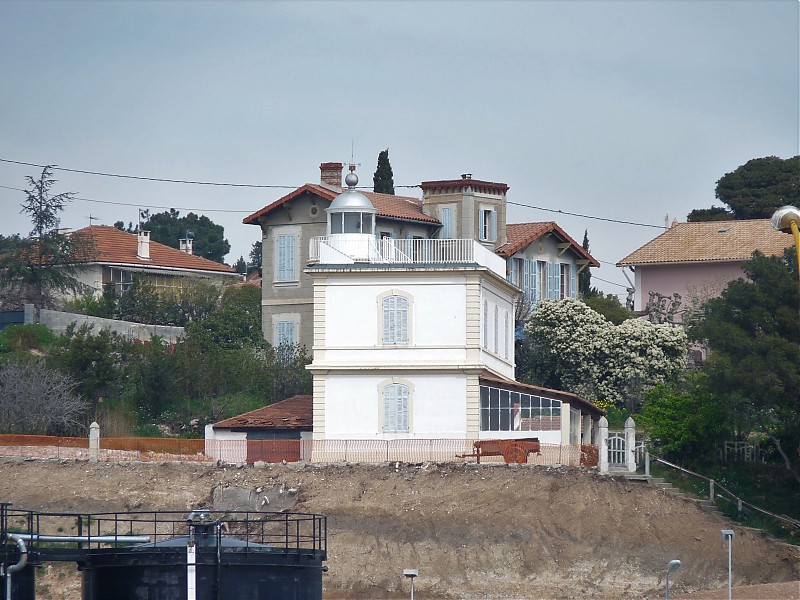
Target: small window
(395, 408)
(487, 225)
(395, 320)
(285, 333)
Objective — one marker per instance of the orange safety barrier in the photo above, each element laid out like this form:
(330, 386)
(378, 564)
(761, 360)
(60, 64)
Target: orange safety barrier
(10, 439)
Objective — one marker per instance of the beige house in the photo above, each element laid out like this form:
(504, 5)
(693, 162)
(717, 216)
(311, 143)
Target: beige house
(541, 259)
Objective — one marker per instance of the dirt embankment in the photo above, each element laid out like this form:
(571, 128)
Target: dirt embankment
(473, 531)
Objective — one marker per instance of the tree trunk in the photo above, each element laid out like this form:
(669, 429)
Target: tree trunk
(786, 460)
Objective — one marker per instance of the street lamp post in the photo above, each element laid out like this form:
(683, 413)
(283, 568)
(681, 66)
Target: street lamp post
(727, 534)
(673, 565)
(787, 220)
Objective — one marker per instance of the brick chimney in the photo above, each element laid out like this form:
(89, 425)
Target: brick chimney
(144, 245)
(330, 173)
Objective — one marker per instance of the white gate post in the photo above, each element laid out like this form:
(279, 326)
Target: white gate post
(94, 442)
(630, 444)
(602, 445)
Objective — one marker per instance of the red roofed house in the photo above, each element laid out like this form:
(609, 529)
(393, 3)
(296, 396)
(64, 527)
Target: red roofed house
(272, 433)
(698, 260)
(119, 257)
(542, 259)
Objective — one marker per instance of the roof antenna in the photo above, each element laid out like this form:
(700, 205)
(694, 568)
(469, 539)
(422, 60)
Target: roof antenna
(352, 165)
(91, 218)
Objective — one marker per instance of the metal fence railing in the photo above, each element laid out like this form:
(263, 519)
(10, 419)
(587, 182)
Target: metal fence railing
(276, 451)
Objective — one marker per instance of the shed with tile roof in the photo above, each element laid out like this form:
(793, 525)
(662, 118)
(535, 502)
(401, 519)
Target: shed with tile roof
(271, 433)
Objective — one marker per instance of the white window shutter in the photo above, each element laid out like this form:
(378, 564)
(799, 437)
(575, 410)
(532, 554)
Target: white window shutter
(534, 283)
(388, 320)
(494, 226)
(551, 284)
(447, 223)
(496, 329)
(402, 408)
(401, 320)
(573, 288)
(526, 276)
(389, 408)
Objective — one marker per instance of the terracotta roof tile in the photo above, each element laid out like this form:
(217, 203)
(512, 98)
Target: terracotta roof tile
(397, 207)
(114, 246)
(711, 241)
(521, 235)
(293, 413)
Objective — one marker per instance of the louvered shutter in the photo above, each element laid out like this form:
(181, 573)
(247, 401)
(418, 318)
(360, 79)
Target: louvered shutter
(401, 320)
(552, 288)
(526, 278)
(389, 331)
(534, 283)
(496, 330)
(447, 223)
(389, 408)
(573, 288)
(402, 407)
(494, 226)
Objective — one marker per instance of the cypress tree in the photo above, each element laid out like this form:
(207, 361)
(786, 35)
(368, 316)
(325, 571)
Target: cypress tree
(383, 183)
(585, 277)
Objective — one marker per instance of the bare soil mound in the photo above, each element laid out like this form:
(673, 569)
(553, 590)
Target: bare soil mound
(473, 531)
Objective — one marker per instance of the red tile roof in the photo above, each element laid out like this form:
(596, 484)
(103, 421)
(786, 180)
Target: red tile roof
(114, 246)
(396, 207)
(521, 235)
(711, 241)
(293, 413)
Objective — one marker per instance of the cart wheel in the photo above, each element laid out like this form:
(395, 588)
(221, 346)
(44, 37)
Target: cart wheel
(515, 453)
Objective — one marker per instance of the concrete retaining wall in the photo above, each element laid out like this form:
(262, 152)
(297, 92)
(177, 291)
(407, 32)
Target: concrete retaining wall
(58, 321)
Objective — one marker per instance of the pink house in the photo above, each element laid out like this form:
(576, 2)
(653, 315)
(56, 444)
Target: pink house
(697, 260)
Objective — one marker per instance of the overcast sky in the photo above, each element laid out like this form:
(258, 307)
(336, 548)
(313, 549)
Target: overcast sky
(620, 110)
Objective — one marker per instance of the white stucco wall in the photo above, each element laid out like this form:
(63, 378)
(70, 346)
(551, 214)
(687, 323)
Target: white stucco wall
(438, 311)
(354, 405)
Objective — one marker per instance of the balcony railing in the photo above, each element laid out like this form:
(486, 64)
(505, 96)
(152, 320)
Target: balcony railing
(349, 249)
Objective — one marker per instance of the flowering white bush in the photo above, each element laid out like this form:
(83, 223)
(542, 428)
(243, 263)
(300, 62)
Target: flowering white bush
(590, 356)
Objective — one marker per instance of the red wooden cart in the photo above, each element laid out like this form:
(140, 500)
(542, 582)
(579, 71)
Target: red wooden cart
(512, 451)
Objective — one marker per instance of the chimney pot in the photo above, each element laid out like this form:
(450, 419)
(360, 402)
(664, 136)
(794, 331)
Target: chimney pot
(466, 176)
(144, 245)
(330, 173)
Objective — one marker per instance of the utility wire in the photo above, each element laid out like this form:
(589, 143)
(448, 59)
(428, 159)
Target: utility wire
(215, 183)
(563, 212)
(288, 187)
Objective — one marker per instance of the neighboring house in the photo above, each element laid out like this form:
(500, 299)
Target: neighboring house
(248, 437)
(544, 262)
(542, 259)
(119, 257)
(698, 260)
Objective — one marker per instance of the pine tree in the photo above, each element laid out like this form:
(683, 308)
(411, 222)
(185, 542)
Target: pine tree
(383, 181)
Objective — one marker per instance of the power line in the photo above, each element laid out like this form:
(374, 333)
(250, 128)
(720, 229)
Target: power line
(143, 205)
(607, 281)
(288, 187)
(140, 178)
(563, 212)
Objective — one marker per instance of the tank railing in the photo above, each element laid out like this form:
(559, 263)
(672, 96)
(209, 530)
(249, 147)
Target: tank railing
(289, 531)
